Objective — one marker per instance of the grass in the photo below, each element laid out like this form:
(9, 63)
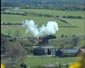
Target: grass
(38, 19)
(55, 12)
(14, 29)
(35, 61)
(79, 30)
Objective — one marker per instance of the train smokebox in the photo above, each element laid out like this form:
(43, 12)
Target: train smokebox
(43, 40)
(50, 37)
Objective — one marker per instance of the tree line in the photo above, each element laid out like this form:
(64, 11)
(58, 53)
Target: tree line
(14, 52)
(48, 4)
(39, 14)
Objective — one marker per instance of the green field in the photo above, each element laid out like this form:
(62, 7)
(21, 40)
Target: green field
(78, 30)
(33, 61)
(38, 60)
(79, 23)
(55, 12)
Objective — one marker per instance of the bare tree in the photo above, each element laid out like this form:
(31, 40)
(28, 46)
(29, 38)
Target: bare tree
(16, 53)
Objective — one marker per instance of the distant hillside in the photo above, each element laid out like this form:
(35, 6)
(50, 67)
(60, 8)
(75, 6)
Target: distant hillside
(43, 2)
(48, 4)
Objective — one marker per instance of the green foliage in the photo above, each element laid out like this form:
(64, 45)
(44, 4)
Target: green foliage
(27, 43)
(68, 42)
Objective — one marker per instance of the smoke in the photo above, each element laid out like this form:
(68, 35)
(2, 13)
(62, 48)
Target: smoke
(31, 27)
(50, 28)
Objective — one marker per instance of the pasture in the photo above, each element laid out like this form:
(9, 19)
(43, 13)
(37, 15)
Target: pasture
(66, 30)
(39, 60)
(55, 12)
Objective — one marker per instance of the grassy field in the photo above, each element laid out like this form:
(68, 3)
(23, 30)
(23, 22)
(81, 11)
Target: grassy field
(79, 30)
(79, 23)
(38, 19)
(35, 61)
(55, 12)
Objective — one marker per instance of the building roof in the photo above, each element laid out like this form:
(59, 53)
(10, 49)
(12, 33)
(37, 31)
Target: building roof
(74, 50)
(48, 47)
(83, 50)
(44, 46)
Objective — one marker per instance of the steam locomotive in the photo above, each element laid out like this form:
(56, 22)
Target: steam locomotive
(45, 39)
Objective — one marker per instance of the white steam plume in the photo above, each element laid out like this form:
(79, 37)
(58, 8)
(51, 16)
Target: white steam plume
(31, 27)
(50, 28)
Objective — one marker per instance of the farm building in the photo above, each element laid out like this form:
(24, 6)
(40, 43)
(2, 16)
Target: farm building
(58, 53)
(44, 50)
(51, 50)
(70, 52)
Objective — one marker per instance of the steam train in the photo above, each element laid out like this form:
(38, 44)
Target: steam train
(45, 39)
(40, 40)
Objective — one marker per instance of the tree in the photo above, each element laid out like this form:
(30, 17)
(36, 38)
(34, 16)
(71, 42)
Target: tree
(62, 36)
(22, 65)
(66, 35)
(16, 53)
(75, 41)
